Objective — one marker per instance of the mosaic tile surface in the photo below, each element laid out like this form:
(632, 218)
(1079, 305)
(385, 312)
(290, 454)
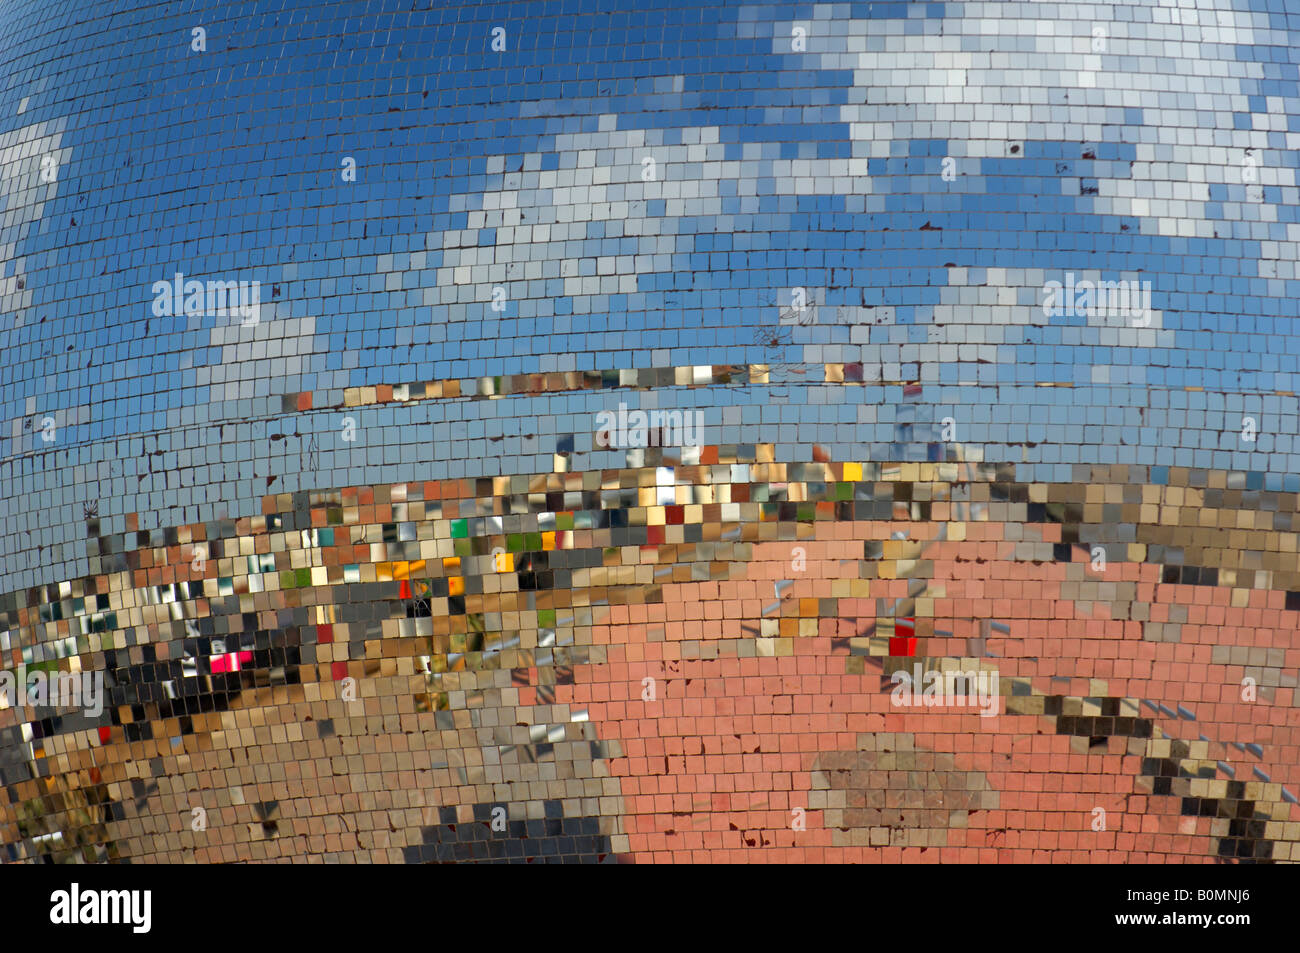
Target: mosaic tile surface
(554, 432)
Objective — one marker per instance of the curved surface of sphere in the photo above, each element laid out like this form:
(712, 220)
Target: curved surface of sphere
(547, 431)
